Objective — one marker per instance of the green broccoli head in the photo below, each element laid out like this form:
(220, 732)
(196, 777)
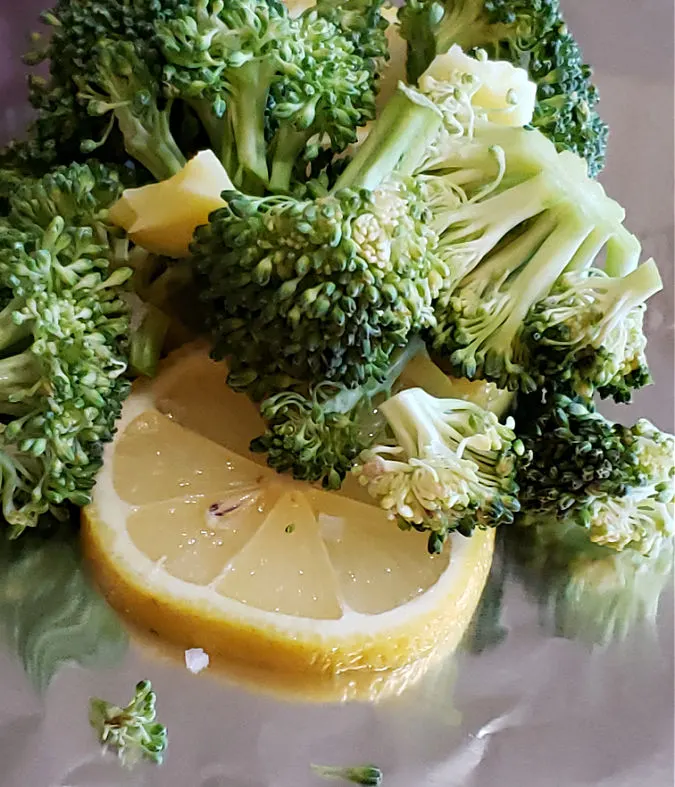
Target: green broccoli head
(521, 241)
(450, 466)
(587, 333)
(580, 468)
(64, 335)
(104, 87)
(331, 95)
(531, 34)
(316, 290)
(223, 58)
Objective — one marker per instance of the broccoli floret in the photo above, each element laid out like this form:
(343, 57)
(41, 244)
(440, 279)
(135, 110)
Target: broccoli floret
(105, 85)
(333, 92)
(450, 466)
(589, 330)
(63, 337)
(580, 468)
(223, 58)
(317, 437)
(531, 34)
(539, 226)
(325, 289)
(369, 775)
(132, 732)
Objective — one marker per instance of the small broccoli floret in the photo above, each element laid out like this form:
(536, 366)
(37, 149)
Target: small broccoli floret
(105, 87)
(531, 34)
(318, 437)
(509, 243)
(357, 774)
(587, 333)
(132, 732)
(449, 467)
(333, 92)
(615, 481)
(223, 58)
(325, 289)
(63, 334)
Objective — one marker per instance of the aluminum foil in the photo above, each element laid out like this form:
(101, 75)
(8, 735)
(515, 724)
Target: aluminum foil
(556, 685)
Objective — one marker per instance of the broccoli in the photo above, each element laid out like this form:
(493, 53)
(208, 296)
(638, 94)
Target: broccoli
(589, 328)
(105, 85)
(318, 436)
(64, 333)
(579, 468)
(450, 466)
(519, 246)
(357, 774)
(333, 93)
(531, 34)
(328, 286)
(133, 731)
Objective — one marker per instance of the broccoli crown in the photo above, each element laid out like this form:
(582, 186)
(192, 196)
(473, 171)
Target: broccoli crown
(587, 333)
(522, 246)
(330, 96)
(449, 467)
(317, 437)
(531, 34)
(615, 481)
(105, 78)
(63, 333)
(316, 290)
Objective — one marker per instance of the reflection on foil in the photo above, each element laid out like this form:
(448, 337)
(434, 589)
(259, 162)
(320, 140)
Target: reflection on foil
(49, 613)
(585, 591)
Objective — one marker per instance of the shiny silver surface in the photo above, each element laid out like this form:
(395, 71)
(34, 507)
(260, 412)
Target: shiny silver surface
(538, 696)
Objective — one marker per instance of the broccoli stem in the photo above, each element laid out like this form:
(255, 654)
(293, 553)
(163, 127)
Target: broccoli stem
(251, 83)
(396, 142)
(155, 146)
(288, 145)
(147, 342)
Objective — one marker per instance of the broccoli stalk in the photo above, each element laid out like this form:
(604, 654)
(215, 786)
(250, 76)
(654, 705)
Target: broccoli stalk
(449, 467)
(509, 246)
(531, 34)
(318, 437)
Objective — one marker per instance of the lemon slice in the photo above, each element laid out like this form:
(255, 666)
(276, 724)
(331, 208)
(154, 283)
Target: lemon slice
(192, 537)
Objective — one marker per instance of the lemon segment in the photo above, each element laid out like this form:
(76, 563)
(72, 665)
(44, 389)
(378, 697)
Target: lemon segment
(197, 542)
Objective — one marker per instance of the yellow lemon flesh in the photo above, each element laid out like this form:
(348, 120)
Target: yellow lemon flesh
(193, 537)
(162, 217)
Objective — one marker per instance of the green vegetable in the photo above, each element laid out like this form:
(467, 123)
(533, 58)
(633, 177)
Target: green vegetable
(450, 466)
(64, 333)
(522, 229)
(531, 34)
(317, 437)
(131, 732)
(359, 774)
(578, 468)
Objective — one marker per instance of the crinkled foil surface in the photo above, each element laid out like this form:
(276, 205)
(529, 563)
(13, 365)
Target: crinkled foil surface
(554, 687)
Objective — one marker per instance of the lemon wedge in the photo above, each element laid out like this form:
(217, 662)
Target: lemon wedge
(162, 217)
(190, 536)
